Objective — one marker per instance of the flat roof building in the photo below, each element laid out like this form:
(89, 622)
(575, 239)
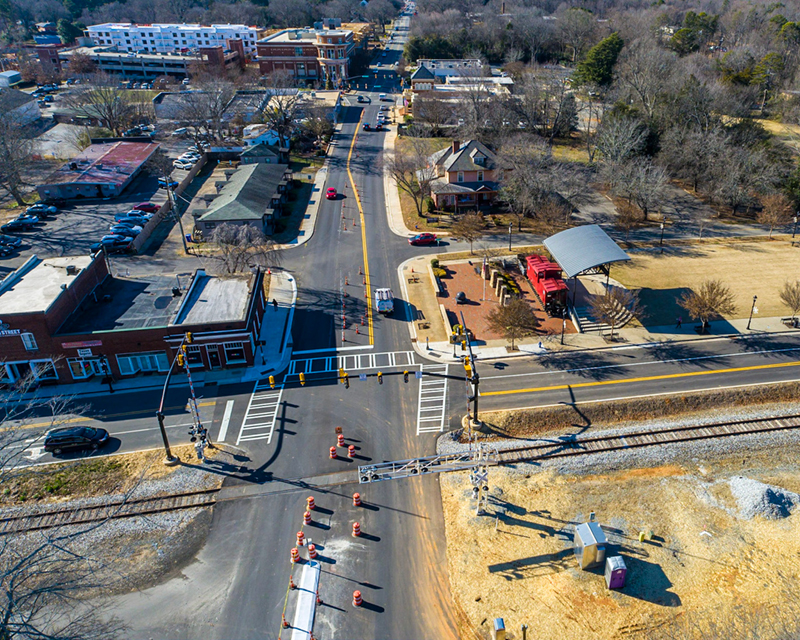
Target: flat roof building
(99, 171)
(68, 319)
(168, 37)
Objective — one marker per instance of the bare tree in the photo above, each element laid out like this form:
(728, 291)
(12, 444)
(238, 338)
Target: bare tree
(412, 170)
(514, 321)
(691, 152)
(100, 96)
(241, 247)
(432, 112)
(710, 301)
(614, 306)
(16, 156)
(45, 576)
(468, 228)
(642, 183)
(317, 123)
(627, 218)
(740, 174)
(776, 211)
(577, 26)
(790, 296)
(282, 108)
(203, 108)
(619, 138)
(643, 71)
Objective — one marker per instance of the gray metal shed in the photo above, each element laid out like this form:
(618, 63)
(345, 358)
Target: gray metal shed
(590, 544)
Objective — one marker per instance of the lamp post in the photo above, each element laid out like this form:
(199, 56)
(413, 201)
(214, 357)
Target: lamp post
(106, 372)
(752, 309)
(563, 324)
(510, 227)
(661, 242)
(794, 231)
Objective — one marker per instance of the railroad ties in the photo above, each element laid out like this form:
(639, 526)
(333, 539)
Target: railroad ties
(117, 507)
(575, 446)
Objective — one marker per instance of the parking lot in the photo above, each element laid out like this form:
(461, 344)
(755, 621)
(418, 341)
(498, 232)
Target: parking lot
(83, 222)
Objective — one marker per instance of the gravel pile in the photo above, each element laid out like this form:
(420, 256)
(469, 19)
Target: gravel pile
(755, 498)
(695, 451)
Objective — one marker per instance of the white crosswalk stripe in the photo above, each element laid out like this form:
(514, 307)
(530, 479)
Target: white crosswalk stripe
(432, 399)
(351, 362)
(262, 412)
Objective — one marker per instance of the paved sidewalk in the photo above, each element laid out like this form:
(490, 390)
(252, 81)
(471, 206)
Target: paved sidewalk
(394, 212)
(274, 356)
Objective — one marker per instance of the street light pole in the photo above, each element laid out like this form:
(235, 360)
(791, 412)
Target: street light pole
(510, 227)
(794, 231)
(752, 309)
(107, 372)
(563, 324)
(661, 242)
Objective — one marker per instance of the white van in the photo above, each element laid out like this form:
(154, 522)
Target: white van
(382, 96)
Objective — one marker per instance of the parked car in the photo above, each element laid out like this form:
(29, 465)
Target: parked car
(191, 156)
(423, 239)
(10, 241)
(148, 207)
(40, 208)
(183, 164)
(163, 184)
(59, 203)
(16, 225)
(128, 216)
(28, 218)
(331, 194)
(179, 131)
(112, 244)
(5, 250)
(126, 228)
(56, 441)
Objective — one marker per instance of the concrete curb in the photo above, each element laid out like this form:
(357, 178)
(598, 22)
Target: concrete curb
(394, 212)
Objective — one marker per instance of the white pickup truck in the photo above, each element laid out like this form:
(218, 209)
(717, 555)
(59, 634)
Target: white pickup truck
(384, 301)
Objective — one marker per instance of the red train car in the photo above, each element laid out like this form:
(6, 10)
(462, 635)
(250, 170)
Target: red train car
(545, 276)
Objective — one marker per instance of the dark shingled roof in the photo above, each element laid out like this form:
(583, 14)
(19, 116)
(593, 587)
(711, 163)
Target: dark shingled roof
(247, 195)
(423, 73)
(582, 248)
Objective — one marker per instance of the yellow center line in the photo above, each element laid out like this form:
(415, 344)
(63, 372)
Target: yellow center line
(37, 425)
(666, 376)
(363, 230)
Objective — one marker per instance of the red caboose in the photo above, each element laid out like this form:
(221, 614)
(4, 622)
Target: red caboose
(545, 276)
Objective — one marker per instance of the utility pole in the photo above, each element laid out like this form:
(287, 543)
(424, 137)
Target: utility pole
(753, 309)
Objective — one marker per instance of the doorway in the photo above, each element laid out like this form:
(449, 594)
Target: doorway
(213, 356)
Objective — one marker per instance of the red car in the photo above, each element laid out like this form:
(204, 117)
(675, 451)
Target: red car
(148, 207)
(422, 239)
(330, 194)
(367, 127)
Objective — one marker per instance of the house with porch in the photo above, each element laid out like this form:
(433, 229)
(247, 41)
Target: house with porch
(468, 175)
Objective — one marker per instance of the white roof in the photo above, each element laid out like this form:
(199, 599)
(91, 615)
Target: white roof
(38, 283)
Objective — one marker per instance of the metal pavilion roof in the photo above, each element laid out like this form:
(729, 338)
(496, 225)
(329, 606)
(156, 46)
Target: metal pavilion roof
(582, 248)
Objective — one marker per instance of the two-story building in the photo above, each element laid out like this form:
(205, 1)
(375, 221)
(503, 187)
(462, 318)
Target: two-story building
(468, 175)
(68, 319)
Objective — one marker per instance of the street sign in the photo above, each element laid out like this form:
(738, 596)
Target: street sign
(418, 375)
(362, 376)
(480, 477)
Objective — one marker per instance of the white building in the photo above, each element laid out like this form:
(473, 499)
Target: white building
(166, 38)
(21, 107)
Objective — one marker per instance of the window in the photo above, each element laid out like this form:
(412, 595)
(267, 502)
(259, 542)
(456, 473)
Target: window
(480, 176)
(234, 352)
(44, 370)
(460, 176)
(298, 51)
(193, 357)
(131, 363)
(29, 341)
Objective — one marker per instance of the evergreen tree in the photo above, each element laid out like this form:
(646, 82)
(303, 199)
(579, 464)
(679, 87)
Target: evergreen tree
(597, 68)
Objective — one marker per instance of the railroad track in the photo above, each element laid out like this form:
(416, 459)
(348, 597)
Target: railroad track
(600, 444)
(114, 509)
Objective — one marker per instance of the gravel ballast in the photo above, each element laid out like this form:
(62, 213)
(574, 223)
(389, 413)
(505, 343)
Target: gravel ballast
(755, 498)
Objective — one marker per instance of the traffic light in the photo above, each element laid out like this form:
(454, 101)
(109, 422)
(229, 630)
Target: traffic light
(346, 381)
(303, 379)
(189, 337)
(463, 345)
(380, 378)
(180, 359)
(272, 382)
(467, 368)
(405, 376)
(342, 375)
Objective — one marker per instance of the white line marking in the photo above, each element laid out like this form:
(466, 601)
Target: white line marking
(262, 414)
(226, 419)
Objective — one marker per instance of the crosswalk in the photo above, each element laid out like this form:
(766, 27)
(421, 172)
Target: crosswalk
(351, 362)
(262, 412)
(432, 399)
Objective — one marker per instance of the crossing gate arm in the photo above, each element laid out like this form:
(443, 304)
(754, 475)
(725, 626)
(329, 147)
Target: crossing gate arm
(420, 466)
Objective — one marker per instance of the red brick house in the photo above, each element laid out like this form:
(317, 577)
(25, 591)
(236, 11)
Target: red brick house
(67, 320)
(468, 175)
(308, 54)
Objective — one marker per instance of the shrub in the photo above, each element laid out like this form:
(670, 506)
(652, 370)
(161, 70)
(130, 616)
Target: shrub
(435, 263)
(430, 207)
(439, 272)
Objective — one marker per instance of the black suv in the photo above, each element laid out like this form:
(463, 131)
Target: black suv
(73, 438)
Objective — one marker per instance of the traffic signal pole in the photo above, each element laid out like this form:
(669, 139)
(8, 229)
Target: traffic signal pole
(472, 375)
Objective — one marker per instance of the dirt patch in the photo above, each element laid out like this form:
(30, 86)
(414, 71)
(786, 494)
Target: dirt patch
(565, 419)
(707, 566)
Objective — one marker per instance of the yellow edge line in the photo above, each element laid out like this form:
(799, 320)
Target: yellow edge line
(36, 425)
(363, 230)
(666, 376)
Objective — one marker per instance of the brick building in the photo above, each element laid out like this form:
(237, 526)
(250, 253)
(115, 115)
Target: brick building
(468, 175)
(316, 55)
(67, 319)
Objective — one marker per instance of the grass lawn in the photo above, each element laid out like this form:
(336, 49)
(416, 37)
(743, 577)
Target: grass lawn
(748, 268)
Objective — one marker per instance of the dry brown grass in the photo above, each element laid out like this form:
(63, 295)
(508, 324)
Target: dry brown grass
(561, 419)
(91, 477)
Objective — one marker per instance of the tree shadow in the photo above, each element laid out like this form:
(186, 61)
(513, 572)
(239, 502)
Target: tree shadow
(681, 353)
(584, 364)
(534, 566)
